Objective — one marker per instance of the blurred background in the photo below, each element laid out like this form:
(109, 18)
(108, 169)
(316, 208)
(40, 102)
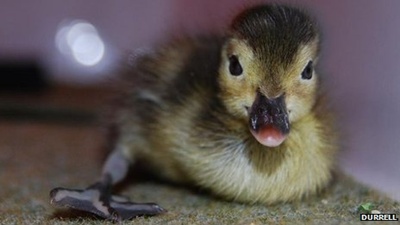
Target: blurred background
(50, 45)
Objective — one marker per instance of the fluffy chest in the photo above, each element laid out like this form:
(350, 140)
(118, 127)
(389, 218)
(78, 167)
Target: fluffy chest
(245, 171)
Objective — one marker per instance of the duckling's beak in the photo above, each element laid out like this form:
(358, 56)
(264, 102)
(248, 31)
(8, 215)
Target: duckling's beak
(269, 122)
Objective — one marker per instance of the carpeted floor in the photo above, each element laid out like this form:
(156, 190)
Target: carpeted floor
(38, 154)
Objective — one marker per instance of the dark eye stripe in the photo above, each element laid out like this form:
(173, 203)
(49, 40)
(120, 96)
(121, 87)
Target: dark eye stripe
(308, 71)
(234, 66)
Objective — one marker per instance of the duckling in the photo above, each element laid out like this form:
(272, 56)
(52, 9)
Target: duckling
(240, 115)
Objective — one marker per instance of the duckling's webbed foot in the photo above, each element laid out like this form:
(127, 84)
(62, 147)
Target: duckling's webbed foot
(93, 199)
(97, 198)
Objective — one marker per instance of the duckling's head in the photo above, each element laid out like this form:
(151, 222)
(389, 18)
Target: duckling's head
(267, 75)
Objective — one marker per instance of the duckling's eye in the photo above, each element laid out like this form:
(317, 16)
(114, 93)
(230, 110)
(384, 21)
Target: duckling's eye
(308, 71)
(234, 66)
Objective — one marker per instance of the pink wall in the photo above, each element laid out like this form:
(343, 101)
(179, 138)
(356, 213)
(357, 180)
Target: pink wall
(28, 29)
(361, 59)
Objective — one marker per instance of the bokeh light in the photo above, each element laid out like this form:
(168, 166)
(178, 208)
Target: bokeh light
(81, 41)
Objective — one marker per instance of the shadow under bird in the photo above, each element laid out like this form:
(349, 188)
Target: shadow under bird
(240, 115)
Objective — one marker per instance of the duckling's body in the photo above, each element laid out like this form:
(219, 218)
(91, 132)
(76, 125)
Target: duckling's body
(239, 115)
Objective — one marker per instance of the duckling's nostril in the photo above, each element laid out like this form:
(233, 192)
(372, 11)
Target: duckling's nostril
(275, 111)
